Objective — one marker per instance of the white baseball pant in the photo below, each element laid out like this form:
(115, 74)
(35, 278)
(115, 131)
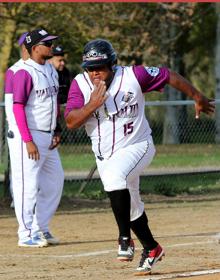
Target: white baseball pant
(122, 171)
(37, 185)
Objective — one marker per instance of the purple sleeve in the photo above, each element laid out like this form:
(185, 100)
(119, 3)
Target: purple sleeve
(75, 98)
(22, 86)
(151, 78)
(9, 81)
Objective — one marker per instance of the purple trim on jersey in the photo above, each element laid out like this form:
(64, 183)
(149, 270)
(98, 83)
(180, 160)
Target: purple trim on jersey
(99, 134)
(113, 135)
(75, 98)
(113, 120)
(22, 86)
(122, 75)
(9, 75)
(149, 83)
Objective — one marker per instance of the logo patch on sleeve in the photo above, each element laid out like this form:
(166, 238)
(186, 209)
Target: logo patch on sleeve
(153, 71)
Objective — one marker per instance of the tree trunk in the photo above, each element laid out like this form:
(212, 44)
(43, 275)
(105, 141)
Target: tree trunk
(217, 74)
(8, 30)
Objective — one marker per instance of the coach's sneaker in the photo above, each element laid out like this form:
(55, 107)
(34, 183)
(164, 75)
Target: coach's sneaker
(31, 243)
(148, 259)
(40, 239)
(125, 249)
(50, 238)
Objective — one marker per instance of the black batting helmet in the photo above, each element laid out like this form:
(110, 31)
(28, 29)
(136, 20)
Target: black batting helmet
(98, 52)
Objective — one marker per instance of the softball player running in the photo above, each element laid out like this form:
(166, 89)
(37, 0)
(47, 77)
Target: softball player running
(109, 100)
(37, 174)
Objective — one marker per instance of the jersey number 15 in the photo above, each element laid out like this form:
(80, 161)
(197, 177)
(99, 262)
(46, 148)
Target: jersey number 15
(128, 128)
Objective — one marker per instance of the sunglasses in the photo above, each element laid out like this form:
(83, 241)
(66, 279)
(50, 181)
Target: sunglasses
(95, 68)
(46, 43)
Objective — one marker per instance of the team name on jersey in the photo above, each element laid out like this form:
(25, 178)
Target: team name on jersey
(47, 92)
(129, 112)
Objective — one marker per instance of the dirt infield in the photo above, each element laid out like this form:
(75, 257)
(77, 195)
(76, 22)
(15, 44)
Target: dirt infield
(186, 229)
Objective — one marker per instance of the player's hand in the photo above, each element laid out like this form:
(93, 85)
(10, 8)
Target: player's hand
(32, 150)
(55, 141)
(98, 96)
(204, 105)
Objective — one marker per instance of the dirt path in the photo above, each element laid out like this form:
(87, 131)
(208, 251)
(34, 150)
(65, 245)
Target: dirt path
(187, 231)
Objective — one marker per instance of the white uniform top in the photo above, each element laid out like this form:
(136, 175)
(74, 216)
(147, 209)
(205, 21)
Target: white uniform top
(9, 92)
(121, 120)
(36, 86)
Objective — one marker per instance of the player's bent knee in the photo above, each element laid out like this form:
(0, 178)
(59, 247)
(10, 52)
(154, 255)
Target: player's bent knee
(113, 181)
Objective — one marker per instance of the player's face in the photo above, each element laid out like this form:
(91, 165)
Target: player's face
(100, 73)
(58, 62)
(45, 49)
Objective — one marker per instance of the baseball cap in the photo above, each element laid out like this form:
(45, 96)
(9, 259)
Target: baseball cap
(58, 50)
(22, 38)
(36, 36)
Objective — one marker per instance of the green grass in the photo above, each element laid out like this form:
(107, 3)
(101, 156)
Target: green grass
(77, 162)
(93, 190)
(192, 155)
(171, 185)
(79, 158)
(169, 156)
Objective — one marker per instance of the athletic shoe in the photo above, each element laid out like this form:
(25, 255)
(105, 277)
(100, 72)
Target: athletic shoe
(148, 259)
(31, 243)
(125, 249)
(40, 239)
(50, 238)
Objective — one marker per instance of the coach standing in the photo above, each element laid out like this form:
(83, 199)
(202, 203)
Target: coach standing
(38, 177)
(109, 100)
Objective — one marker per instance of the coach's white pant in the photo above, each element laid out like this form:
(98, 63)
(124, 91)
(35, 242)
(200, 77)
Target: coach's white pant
(122, 171)
(37, 185)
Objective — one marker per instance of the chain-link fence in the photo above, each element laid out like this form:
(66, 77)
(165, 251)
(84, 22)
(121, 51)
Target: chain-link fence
(185, 145)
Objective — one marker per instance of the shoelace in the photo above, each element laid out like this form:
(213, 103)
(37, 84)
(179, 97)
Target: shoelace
(47, 235)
